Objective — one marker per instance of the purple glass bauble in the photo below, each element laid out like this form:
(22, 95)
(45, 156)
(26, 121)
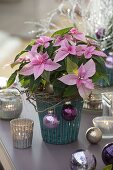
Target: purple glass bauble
(100, 33)
(83, 159)
(50, 121)
(107, 154)
(69, 112)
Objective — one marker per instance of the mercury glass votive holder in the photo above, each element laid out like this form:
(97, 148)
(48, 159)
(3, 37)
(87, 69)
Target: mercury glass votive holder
(94, 102)
(10, 104)
(105, 124)
(22, 132)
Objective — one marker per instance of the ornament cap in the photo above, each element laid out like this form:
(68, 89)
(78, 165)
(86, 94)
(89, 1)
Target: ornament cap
(51, 111)
(68, 102)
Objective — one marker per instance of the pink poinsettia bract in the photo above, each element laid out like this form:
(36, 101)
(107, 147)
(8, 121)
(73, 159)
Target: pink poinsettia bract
(38, 63)
(64, 51)
(82, 79)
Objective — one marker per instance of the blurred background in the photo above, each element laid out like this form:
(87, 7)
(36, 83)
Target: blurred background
(23, 20)
(17, 19)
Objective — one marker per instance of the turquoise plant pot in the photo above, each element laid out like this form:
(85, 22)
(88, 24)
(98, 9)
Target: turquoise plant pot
(66, 131)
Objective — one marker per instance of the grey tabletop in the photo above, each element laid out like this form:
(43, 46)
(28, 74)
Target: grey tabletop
(43, 156)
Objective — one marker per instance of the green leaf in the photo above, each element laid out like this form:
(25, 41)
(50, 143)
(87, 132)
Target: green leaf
(29, 82)
(14, 64)
(24, 80)
(109, 167)
(28, 48)
(18, 55)
(100, 76)
(71, 66)
(32, 42)
(81, 60)
(62, 31)
(50, 50)
(96, 77)
(100, 60)
(11, 79)
(105, 78)
(87, 36)
(69, 91)
(36, 84)
(58, 87)
(46, 75)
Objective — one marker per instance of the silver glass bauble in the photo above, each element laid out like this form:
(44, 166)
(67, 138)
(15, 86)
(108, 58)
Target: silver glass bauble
(94, 135)
(83, 160)
(10, 104)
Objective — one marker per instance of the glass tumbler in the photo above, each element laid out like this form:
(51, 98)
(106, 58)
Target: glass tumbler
(105, 124)
(10, 104)
(22, 132)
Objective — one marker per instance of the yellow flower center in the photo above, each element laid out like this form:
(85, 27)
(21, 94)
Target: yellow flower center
(75, 71)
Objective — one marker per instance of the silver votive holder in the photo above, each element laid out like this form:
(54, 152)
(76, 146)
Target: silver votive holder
(94, 102)
(10, 104)
(22, 132)
(105, 124)
(107, 102)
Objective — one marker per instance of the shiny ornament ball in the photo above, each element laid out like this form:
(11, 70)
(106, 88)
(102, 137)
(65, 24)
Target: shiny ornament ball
(109, 62)
(83, 160)
(50, 121)
(107, 154)
(49, 88)
(93, 135)
(69, 112)
(100, 33)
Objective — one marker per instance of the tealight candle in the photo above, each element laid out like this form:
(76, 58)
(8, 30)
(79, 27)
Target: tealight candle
(22, 132)
(9, 107)
(105, 124)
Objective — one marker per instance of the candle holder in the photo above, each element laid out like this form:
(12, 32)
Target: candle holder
(10, 104)
(105, 124)
(94, 102)
(22, 132)
(107, 102)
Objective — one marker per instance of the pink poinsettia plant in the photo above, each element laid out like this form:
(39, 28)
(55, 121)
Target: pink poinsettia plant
(68, 62)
